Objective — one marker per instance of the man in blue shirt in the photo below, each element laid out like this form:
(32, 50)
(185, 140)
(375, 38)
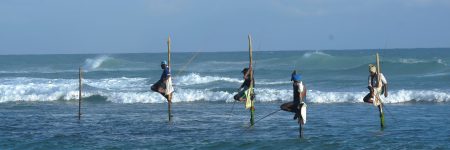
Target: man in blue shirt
(299, 91)
(160, 86)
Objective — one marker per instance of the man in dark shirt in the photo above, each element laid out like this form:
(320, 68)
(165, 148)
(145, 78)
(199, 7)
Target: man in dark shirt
(160, 85)
(241, 96)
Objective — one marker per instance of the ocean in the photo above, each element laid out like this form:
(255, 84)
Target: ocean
(39, 101)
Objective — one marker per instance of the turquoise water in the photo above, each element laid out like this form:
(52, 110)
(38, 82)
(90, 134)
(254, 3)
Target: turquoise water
(38, 104)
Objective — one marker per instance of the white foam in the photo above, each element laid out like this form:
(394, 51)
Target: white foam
(410, 61)
(135, 90)
(194, 78)
(118, 84)
(418, 96)
(416, 61)
(440, 61)
(37, 89)
(265, 82)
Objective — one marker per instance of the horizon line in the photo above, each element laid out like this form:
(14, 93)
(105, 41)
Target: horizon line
(232, 51)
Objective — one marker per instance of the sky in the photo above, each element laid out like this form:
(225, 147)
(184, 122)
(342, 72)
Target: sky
(143, 26)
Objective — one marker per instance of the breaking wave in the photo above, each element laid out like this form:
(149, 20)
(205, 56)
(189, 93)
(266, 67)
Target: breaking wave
(136, 90)
(195, 78)
(94, 63)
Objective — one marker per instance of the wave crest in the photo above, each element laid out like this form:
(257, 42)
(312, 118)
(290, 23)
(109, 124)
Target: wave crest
(58, 89)
(195, 78)
(315, 53)
(94, 63)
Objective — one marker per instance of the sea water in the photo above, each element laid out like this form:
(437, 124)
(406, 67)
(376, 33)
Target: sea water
(39, 107)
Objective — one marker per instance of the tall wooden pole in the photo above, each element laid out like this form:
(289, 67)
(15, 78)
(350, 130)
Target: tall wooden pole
(169, 97)
(378, 95)
(168, 51)
(300, 117)
(300, 129)
(252, 108)
(79, 92)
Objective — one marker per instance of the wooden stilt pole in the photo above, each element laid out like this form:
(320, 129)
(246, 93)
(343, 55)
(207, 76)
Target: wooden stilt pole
(378, 96)
(252, 108)
(169, 107)
(79, 92)
(168, 51)
(169, 97)
(301, 129)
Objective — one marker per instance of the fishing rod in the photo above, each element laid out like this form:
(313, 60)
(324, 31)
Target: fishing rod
(187, 63)
(263, 118)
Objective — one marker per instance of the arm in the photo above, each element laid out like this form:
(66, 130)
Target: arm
(167, 72)
(369, 85)
(303, 94)
(246, 77)
(385, 85)
(167, 78)
(242, 86)
(301, 91)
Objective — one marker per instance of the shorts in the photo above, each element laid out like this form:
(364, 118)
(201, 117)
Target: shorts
(241, 94)
(290, 107)
(159, 86)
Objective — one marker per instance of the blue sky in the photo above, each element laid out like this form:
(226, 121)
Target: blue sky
(124, 26)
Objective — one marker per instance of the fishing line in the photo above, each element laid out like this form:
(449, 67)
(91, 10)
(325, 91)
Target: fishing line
(187, 63)
(393, 117)
(231, 112)
(263, 118)
(384, 106)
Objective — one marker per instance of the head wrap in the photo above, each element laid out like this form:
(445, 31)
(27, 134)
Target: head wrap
(372, 68)
(296, 77)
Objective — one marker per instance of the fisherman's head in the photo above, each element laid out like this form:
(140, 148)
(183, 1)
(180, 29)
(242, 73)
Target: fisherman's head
(163, 64)
(296, 77)
(372, 69)
(244, 71)
(292, 75)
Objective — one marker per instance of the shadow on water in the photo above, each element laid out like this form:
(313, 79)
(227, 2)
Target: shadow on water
(93, 99)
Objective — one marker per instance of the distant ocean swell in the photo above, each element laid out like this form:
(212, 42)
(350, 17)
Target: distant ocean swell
(315, 60)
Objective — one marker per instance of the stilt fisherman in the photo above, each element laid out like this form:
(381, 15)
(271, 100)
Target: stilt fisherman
(296, 106)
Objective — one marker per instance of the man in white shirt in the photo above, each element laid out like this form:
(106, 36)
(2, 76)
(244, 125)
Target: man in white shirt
(373, 84)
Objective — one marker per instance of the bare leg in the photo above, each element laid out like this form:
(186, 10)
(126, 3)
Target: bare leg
(368, 98)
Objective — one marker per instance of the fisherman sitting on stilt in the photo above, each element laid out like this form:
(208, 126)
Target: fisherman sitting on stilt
(299, 99)
(241, 95)
(376, 89)
(164, 84)
(373, 84)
